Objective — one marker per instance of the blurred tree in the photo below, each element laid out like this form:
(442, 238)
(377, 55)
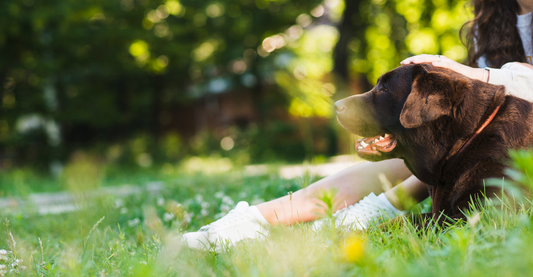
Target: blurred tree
(372, 37)
(106, 69)
(390, 31)
(74, 73)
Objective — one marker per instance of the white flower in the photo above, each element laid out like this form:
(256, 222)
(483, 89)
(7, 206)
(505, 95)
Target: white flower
(143, 262)
(198, 198)
(2, 267)
(227, 200)
(134, 222)
(219, 194)
(224, 208)
(168, 217)
(187, 217)
(119, 203)
(205, 205)
(160, 201)
(124, 210)
(16, 263)
(204, 212)
(3, 255)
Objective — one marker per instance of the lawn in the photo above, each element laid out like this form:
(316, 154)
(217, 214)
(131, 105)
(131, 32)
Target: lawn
(139, 235)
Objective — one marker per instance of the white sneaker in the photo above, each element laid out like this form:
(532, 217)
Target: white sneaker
(359, 215)
(243, 222)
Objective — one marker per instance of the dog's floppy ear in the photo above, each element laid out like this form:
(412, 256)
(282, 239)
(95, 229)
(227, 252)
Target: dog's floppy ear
(429, 98)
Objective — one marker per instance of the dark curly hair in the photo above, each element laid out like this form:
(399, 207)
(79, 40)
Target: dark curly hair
(494, 32)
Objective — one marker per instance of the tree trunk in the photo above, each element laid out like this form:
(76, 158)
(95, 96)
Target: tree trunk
(340, 53)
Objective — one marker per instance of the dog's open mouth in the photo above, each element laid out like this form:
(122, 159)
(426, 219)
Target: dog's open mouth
(375, 145)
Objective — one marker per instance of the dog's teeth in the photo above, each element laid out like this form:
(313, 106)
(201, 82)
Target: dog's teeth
(380, 137)
(360, 148)
(387, 135)
(376, 140)
(363, 144)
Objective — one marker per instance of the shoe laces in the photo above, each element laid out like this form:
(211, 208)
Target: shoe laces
(235, 215)
(364, 208)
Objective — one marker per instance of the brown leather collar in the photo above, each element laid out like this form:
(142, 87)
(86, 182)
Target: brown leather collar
(487, 121)
(453, 155)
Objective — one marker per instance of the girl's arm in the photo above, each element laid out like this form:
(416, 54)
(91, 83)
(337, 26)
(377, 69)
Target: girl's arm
(516, 77)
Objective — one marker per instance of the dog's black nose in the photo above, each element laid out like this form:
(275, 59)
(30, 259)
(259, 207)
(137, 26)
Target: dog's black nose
(339, 106)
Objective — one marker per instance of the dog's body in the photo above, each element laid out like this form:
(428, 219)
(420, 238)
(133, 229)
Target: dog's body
(429, 117)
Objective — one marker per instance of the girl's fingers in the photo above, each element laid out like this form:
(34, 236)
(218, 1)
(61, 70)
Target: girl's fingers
(444, 64)
(424, 58)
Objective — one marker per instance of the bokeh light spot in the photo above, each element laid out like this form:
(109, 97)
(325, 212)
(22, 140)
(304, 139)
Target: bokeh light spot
(139, 47)
(174, 7)
(199, 19)
(227, 143)
(238, 66)
(162, 61)
(153, 16)
(162, 11)
(318, 11)
(161, 30)
(205, 50)
(328, 89)
(304, 20)
(215, 10)
(144, 160)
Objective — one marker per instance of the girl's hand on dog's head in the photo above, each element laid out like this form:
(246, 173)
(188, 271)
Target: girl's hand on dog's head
(443, 61)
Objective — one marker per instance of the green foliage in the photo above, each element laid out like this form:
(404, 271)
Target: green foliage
(92, 73)
(394, 30)
(522, 162)
(108, 70)
(139, 236)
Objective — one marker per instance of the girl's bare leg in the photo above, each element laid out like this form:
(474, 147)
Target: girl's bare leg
(407, 194)
(351, 185)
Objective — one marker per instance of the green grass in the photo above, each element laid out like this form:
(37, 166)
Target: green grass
(139, 236)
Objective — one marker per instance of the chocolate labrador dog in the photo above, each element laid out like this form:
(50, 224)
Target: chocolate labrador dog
(451, 131)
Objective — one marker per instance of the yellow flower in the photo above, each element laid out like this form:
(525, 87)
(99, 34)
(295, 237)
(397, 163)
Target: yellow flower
(353, 249)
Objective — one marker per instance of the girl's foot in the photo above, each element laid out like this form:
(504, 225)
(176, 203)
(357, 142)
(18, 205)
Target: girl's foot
(372, 208)
(243, 222)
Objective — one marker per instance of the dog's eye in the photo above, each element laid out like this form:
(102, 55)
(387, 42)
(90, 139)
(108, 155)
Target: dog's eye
(385, 90)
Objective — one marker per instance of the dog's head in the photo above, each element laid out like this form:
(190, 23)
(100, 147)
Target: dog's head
(411, 106)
